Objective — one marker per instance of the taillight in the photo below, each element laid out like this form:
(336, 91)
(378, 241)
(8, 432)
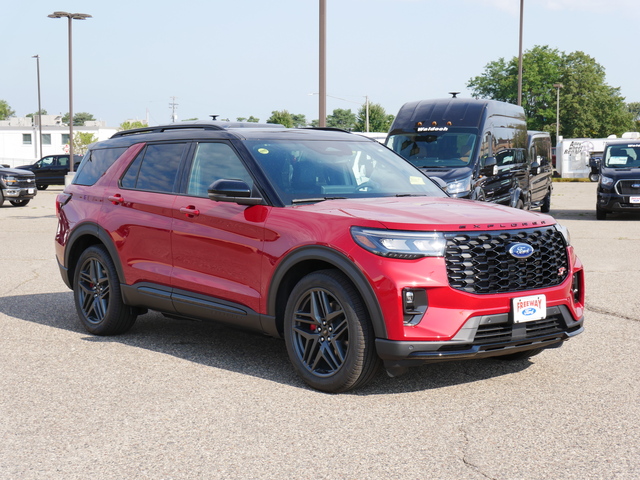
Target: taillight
(61, 200)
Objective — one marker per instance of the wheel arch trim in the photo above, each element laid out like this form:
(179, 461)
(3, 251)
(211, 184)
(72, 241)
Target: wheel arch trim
(337, 260)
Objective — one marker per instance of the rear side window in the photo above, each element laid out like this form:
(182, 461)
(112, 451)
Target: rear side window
(95, 163)
(155, 169)
(214, 161)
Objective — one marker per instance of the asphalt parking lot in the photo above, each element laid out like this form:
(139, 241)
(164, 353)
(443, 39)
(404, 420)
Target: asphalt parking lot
(188, 400)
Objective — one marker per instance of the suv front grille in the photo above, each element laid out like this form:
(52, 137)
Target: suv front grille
(628, 187)
(479, 262)
(507, 332)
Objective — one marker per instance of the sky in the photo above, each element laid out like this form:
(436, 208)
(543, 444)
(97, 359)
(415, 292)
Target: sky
(242, 58)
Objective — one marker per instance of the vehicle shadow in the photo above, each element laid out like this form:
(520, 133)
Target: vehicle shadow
(218, 346)
(591, 215)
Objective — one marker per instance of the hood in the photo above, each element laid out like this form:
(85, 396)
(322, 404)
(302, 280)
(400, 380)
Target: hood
(16, 171)
(431, 213)
(25, 167)
(447, 174)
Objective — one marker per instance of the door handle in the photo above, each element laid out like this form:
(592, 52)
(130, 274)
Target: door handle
(190, 211)
(116, 199)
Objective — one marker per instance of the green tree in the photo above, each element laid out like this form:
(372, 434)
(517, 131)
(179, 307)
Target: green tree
(78, 118)
(81, 142)
(379, 120)
(130, 125)
(588, 106)
(5, 110)
(251, 119)
(341, 118)
(634, 109)
(299, 120)
(42, 112)
(282, 117)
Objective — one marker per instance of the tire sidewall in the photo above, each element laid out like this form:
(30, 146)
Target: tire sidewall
(352, 368)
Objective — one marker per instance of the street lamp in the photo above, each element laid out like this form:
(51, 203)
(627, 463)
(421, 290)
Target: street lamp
(558, 86)
(70, 16)
(37, 57)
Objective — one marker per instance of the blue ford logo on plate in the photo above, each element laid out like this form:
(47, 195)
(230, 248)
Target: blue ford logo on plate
(520, 250)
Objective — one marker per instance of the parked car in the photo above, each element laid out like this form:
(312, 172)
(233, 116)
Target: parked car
(51, 170)
(17, 186)
(472, 145)
(540, 170)
(324, 238)
(619, 181)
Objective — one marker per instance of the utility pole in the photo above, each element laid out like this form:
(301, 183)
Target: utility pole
(173, 105)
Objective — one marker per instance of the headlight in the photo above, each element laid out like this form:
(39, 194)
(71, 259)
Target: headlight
(9, 180)
(399, 244)
(459, 186)
(606, 181)
(565, 233)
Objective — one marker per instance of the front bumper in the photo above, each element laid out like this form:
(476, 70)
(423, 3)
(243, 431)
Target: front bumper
(17, 193)
(485, 336)
(613, 202)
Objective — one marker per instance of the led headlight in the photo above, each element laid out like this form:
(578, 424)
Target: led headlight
(565, 233)
(400, 244)
(9, 180)
(459, 186)
(606, 181)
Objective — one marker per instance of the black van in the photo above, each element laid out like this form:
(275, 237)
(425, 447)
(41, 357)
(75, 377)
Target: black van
(619, 182)
(540, 169)
(477, 147)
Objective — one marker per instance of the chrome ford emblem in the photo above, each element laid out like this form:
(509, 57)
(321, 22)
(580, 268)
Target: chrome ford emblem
(635, 185)
(520, 250)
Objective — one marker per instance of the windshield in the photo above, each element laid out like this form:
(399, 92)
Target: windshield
(312, 170)
(453, 148)
(623, 156)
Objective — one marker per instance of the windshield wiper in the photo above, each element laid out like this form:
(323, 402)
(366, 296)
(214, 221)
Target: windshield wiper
(316, 200)
(411, 195)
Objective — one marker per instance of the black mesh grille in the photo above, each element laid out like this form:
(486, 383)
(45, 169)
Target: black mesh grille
(507, 332)
(626, 187)
(479, 262)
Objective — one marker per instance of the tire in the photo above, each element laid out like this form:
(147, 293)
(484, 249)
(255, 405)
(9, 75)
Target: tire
(601, 214)
(97, 296)
(519, 204)
(1, 198)
(520, 355)
(19, 203)
(329, 337)
(546, 203)
(594, 177)
(42, 187)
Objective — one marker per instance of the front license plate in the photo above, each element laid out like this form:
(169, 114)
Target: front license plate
(31, 190)
(528, 309)
(634, 199)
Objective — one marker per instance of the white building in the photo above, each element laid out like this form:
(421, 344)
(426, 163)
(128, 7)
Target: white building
(19, 137)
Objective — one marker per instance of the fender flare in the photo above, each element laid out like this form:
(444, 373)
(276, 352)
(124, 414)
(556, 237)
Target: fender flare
(338, 261)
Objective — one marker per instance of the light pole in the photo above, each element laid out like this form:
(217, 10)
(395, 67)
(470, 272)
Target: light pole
(520, 54)
(37, 57)
(71, 17)
(558, 86)
(322, 107)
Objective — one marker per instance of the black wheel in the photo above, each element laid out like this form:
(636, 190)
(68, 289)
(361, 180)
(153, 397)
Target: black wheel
(328, 333)
(520, 355)
(594, 177)
(42, 187)
(97, 294)
(601, 214)
(19, 203)
(1, 198)
(546, 203)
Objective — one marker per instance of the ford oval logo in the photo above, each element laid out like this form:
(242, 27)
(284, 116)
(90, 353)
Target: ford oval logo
(635, 185)
(529, 311)
(520, 250)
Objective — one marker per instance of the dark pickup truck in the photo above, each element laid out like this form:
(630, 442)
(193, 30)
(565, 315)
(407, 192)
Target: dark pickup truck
(51, 170)
(17, 186)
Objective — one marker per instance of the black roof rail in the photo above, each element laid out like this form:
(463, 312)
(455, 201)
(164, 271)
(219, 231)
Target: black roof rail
(328, 129)
(164, 128)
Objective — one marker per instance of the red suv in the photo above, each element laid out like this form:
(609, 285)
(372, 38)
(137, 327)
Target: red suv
(325, 238)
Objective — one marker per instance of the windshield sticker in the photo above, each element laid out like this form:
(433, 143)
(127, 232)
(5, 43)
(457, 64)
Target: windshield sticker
(618, 161)
(263, 151)
(416, 180)
(433, 129)
(634, 145)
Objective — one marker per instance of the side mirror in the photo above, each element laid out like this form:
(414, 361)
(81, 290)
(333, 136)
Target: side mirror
(234, 191)
(535, 168)
(440, 182)
(490, 167)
